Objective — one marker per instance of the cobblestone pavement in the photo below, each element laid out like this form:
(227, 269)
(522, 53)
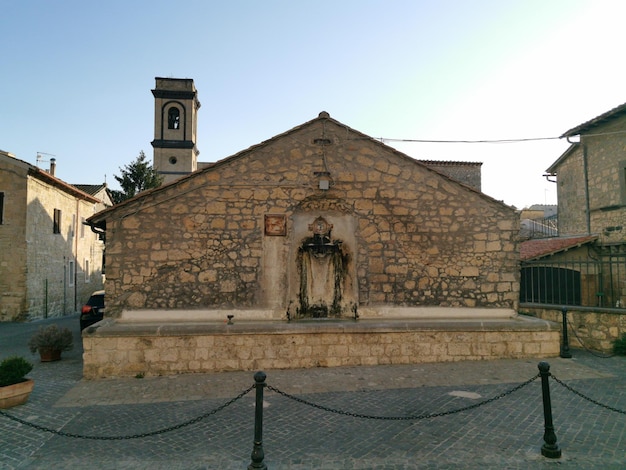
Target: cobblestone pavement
(506, 433)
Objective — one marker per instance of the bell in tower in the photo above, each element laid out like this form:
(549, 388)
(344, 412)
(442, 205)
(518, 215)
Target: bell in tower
(175, 124)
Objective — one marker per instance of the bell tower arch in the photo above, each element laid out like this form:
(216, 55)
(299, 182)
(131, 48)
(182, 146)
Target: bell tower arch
(175, 124)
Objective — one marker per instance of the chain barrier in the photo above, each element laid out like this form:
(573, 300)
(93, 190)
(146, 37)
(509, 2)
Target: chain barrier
(585, 397)
(402, 418)
(590, 351)
(131, 436)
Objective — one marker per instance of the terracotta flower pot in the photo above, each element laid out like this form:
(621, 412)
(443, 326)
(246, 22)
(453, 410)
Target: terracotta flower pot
(16, 394)
(49, 355)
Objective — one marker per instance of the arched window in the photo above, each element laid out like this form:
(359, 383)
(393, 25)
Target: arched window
(173, 118)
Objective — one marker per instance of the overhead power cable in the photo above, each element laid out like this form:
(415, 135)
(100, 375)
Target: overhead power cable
(495, 141)
(490, 141)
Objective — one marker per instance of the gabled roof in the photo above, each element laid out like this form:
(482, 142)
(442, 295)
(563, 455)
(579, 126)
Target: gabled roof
(603, 118)
(45, 176)
(92, 189)
(449, 163)
(570, 150)
(60, 184)
(99, 219)
(540, 248)
(99, 191)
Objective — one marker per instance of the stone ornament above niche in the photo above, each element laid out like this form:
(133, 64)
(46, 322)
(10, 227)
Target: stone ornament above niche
(320, 226)
(275, 225)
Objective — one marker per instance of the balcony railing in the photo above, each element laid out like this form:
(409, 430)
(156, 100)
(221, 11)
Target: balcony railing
(539, 228)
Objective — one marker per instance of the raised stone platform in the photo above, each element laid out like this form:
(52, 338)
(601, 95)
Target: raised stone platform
(131, 345)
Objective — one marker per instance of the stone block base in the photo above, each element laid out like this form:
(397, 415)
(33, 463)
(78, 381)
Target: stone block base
(118, 349)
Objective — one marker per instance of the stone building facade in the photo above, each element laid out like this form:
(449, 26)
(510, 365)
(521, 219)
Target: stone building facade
(585, 271)
(321, 221)
(464, 172)
(591, 179)
(50, 262)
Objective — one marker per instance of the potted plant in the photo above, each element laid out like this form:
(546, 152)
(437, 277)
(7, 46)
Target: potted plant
(14, 386)
(51, 341)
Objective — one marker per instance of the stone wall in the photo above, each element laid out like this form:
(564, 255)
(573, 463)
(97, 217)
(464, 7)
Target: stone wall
(115, 350)
(596, 330)
(571, 193)
(13, 184)
(419, 237)
(605, 176)
(465, 172)
(52, 288)
(35, 279)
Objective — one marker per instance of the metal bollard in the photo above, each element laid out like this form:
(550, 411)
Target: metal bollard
(550, 448)
(257, 451)
(565, 353)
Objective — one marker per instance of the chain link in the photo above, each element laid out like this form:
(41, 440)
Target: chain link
(402, 418)
(308, 403)
(590, 351)
(131, 436)
(576, 392)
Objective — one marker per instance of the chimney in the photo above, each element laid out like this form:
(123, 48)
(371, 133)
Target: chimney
(53, 166)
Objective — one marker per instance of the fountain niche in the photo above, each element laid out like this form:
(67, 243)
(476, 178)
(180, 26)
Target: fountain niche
(324, 267)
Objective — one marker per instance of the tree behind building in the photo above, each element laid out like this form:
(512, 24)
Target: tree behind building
(135, 178)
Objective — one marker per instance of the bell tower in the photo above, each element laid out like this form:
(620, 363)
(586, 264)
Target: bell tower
(175, 123)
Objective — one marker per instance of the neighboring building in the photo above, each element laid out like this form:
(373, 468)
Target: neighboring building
(591, 189)
(539, 221)
(591, 179)
(320, 221)
(100, 191)
(467, 173)
(50, 261)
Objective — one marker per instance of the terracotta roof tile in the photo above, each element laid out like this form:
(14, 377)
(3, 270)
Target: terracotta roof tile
(539, 248)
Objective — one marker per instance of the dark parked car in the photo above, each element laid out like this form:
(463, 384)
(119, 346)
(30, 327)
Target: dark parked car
(93, 311)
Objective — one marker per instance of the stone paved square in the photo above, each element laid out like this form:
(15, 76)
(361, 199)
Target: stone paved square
(505, 433)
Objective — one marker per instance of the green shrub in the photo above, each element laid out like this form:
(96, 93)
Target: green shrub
(13, 369)
(619, 346)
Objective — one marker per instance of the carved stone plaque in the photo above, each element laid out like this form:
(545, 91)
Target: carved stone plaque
(275, 225)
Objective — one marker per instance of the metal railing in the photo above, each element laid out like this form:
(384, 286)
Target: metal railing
(586, 283)
(539, 228)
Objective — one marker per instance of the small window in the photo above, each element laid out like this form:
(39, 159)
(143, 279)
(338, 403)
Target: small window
(56, 227)
(1, 207)
(87, 272)
(173, 118)
(72, 227)
(82, 227)
(71, 273)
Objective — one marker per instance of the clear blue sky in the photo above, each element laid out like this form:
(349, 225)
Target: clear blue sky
(76, 77)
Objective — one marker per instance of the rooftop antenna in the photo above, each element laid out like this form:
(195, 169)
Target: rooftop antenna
(40, 157)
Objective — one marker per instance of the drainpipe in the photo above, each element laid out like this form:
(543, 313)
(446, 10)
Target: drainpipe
(64, 284)
(75, 228)
(586, 176)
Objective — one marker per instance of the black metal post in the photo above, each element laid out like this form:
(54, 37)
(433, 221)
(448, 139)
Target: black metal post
(565, 352)
(257, 451)
(550, 448)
